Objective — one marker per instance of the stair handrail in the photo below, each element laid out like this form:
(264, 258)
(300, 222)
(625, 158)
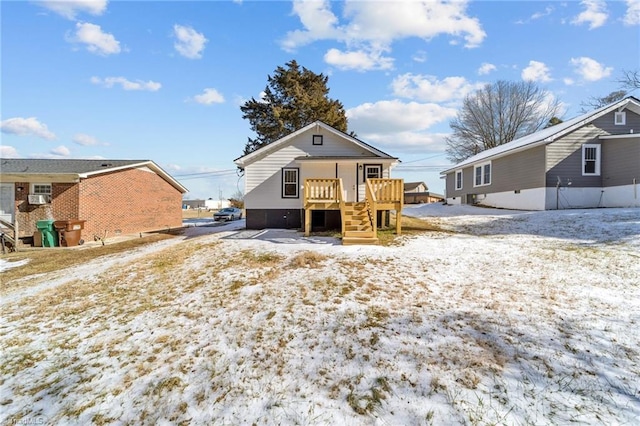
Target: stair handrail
(370, 203)
(341, 203)
(13, 228)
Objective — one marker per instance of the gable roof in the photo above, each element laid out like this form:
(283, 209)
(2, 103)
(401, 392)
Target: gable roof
(408, 186)
(76, 169)
(247, 159)
(547, 135)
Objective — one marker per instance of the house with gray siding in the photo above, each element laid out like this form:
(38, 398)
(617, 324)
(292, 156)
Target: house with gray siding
(309, 177)
(592, 160)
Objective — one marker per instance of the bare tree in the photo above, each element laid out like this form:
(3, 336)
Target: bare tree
(497, 114)
(630, 80)
(595, 102)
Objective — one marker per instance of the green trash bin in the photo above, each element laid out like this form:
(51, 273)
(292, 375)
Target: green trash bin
(49, 234)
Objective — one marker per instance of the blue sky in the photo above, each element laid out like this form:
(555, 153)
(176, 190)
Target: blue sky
(165, 80)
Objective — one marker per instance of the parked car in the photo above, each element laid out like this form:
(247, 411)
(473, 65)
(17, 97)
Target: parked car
(228, 213)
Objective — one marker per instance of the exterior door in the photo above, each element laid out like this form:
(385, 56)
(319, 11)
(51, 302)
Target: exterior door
(7, 204)
(348, 174)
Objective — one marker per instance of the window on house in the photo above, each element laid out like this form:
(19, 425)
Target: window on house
(459, 179)
(41, 188)
(590, 160)
(372, 171)
(482, 174)
(620, 118)
(290, 183)
(317, 139)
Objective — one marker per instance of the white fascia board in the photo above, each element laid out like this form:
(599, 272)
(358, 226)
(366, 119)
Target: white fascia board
(543, 136)
(274, 146)
(150, 164)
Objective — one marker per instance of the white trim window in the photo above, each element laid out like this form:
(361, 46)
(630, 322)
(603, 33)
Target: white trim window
(372, 171)
(482, 174)
(620, 118)
(458, 179)
(591, 160)
(290, 182)
(41, 189)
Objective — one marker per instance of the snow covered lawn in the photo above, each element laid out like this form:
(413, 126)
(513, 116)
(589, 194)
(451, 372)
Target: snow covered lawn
(509, 318)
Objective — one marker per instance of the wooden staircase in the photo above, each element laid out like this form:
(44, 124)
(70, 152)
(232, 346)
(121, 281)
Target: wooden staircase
(358, 225)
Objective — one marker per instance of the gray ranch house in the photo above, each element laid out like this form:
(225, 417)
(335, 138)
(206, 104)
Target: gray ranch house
(592, 160)
(319, 178)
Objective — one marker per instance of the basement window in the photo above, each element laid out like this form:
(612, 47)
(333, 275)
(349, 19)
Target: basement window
(620, 118)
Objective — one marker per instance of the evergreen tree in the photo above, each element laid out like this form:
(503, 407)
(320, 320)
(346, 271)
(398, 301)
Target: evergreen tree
(294, 97)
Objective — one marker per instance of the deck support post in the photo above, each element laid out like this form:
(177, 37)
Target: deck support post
(307, 222)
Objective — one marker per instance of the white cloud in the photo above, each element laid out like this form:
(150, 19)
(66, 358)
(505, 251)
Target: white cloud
(547, 11)
(428, 88)
(70, 8)
(386, 117)
(190, 43)
(7, 151)
(86, 140)
(374, 26)
(536, 71)
(61, 150)
(590, 69)
(95, 39)
(209, 96)
(109, 82)
(358, 60)
(319, 22)
(486, 68)
(595, 14)
(420, 56)
(632, 17)
(26, 127)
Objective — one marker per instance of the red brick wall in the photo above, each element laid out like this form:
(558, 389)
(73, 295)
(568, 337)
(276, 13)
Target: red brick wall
(122, 202)
(64, 205)
(127, 202)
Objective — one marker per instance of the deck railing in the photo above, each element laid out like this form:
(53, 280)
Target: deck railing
(322, 190)
(388, 190)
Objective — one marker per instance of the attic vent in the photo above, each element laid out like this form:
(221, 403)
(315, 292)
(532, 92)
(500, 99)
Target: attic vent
(106, 165)
(620, 118)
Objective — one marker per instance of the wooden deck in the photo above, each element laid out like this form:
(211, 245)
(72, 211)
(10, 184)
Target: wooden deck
(359, 219)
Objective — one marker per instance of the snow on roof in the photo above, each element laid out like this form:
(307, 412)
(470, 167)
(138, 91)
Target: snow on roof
(545, 135)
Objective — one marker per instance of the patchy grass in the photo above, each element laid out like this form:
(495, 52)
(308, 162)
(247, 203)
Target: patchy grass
(308, 259)
(57, 259)
(411, 227)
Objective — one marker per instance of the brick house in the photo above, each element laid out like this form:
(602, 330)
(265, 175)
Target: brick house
(112, 196)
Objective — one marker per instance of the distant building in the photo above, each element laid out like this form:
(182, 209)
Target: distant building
(418, 192)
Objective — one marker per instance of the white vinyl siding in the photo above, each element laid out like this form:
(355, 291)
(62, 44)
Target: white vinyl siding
(263, 178)
(590, 160)
(482, 174)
